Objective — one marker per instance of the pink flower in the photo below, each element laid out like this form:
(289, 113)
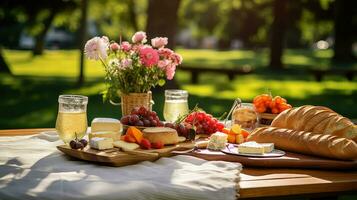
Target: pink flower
(159, 42)
(139, 37)
(96, 48)
(126, 46)
(163, 63)
(176, 58)
(165, 52)
(125, 63)
(148, 56)
(170, 71)
(114, 46)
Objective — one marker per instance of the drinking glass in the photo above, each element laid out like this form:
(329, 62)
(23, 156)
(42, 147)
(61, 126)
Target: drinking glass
(72, 117)
(175, 104)
(245, 115)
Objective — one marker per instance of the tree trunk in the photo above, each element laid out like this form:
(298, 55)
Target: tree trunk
(132, 14)
(162, 19)
(278, 30)
(3, 65)
(40, 38)
(343, 30)
(162, 22)
(82, 37)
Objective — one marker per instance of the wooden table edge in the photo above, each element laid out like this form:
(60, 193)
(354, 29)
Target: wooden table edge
(246, 191)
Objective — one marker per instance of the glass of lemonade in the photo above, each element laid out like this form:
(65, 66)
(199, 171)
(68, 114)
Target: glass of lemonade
(72, 117)
(175, 104)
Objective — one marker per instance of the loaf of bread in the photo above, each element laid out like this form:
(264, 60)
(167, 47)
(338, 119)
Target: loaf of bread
(316, 119)
(163, 134)
(324, 145)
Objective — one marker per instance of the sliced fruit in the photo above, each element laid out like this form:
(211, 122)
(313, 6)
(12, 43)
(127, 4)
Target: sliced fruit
(226, 130)
(239, 139)
(245, 133)
(235, 129)
(128, 138)
(135, 133)
(231, 138)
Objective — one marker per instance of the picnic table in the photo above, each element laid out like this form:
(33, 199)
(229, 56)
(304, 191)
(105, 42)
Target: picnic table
(275, 183)
(320, 73)
(231, 73)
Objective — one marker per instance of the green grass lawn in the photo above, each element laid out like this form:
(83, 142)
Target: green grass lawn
(29, 99)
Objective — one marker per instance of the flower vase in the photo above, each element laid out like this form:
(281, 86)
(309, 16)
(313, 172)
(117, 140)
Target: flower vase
(132, 100)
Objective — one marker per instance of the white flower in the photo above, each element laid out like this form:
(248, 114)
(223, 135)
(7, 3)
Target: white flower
(96, 48)
(114, 62)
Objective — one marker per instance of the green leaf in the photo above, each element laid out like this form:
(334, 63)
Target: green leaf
(162, 82)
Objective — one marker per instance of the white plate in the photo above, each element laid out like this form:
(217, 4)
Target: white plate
(233, 150)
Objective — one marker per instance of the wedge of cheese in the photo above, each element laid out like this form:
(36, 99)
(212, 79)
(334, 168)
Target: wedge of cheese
(268, 147)
(101, 143)
(106, 124)
(126, 146)
(104, 134)
(251, 148)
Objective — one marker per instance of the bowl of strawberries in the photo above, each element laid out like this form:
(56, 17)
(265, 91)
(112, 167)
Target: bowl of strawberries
(268, 107)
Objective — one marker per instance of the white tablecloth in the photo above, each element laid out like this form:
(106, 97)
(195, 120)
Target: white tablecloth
(32, 168)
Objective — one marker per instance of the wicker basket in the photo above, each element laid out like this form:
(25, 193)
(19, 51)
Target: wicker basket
(265, 119)
(132, 100)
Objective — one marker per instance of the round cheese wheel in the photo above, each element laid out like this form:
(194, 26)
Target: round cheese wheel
(164, 134)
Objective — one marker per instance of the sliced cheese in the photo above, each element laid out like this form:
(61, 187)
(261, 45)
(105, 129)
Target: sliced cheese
(126, 146)
(217, 141)
(104, 134)
(101, 143)
(106, 124)
(268, 147)
(251, 148)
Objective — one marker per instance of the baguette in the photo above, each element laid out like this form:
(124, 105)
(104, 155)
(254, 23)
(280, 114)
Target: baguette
(316, 119)
(323, 145)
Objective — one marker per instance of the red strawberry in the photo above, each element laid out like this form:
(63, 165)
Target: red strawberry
(145, 144)
(128, 138)
(157, 145)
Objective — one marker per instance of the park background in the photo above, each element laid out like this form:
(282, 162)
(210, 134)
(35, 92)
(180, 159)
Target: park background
(41, 56)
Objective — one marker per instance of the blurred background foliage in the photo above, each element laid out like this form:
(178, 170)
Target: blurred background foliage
(41, 41)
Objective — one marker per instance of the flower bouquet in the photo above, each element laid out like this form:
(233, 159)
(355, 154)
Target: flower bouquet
(132, 69)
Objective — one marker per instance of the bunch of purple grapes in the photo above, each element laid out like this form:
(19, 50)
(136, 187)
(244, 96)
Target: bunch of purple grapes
(140, 116)
(183, 129)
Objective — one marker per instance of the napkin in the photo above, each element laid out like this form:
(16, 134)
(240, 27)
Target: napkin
(32, 168)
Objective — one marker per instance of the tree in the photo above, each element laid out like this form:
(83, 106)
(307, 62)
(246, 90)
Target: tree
(83, 37)
(162, 19)
(278, 30)
(132, 14)
(345, 11)
(40, 37)
(52, 9)
(4, 67)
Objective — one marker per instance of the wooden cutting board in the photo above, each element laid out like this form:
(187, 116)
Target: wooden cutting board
(289, 160)
(116, 157)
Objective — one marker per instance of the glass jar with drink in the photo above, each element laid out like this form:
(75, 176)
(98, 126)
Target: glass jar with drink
(176, 104)
(72, 117)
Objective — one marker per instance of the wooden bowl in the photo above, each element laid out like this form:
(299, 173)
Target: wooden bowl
(265, 119)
